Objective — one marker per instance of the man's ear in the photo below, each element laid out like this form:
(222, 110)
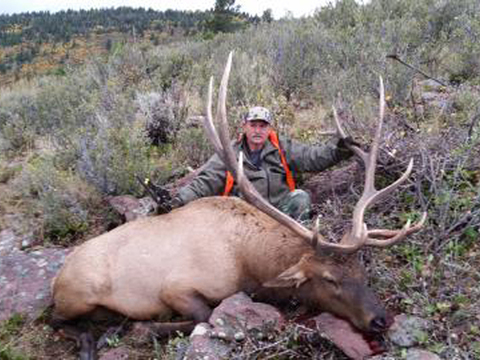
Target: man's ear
(292, 277)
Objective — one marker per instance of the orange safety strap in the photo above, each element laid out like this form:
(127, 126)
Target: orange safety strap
(274, 140)
(272, 136)
(228, 184)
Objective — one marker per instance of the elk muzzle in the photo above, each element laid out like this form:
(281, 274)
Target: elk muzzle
(362, 308)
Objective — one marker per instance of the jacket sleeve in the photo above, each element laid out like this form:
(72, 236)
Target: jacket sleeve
(210, 182)
(303, 157)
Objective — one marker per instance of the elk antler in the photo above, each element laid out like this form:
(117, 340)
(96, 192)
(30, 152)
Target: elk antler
(353, 240)
(359, 235)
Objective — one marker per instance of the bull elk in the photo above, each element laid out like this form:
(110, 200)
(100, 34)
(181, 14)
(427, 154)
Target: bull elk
(190, 259)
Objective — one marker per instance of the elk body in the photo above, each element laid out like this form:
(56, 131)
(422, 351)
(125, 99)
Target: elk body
(190, 259)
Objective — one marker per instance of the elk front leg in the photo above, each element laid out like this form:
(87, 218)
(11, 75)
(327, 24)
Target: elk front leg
(83, 338)
(189, 305)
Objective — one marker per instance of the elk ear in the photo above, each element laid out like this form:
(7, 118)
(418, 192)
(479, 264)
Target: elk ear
(292, 277)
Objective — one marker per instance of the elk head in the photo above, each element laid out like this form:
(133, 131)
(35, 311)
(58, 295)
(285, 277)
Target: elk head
(332, 283)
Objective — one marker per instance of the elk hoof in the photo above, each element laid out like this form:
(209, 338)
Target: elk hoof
(87, 347)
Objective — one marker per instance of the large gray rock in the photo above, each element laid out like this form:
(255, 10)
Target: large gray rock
(418, 354)
(238, 316)
(407, 330)
(204, 346)
(234, 320)
(25, 278)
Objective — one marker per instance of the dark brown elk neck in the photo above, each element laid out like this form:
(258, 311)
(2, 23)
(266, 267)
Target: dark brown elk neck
(273, 252)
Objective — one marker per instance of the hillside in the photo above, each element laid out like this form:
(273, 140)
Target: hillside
(41, 43)
(71, 137)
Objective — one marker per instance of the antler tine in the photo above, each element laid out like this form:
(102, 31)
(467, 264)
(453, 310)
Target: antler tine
(230, 158)
(372, 158)
(342, 133)
(338, 125)
(209, 126)
(391, 237)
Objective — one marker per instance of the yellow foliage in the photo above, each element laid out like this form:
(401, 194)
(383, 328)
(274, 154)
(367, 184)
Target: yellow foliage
(54, 55)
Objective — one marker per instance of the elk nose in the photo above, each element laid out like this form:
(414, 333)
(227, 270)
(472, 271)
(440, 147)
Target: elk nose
(378, 324)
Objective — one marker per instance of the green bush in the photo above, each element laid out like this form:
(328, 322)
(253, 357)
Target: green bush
(111, 154)
(17, 110)
(68, 208)
(64, 104)
(9, 329)
(192, 148)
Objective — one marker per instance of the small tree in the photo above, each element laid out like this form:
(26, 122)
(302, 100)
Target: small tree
(267, 16)
(226, 17)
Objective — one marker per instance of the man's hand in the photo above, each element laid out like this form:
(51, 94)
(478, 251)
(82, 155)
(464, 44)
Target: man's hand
(347, 143)
(160, 195)
(345, 146)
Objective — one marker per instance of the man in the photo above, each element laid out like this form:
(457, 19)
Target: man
(269, 164)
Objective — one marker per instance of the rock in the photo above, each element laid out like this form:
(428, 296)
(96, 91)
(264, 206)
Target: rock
(430, 96)
(7, 242)
(239, 336)
(430, 85)
(239, 314)
(131, 207)
(141, 331)
(418, 354)
(202, 329)
(25, 281)
(25, 277)
(435, 100)
(27, 242)
(203, 346)
(120, 353)
(407, 330)
(235, 319)
(344, 336)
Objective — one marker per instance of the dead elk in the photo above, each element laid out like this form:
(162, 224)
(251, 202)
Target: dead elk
(188, 260)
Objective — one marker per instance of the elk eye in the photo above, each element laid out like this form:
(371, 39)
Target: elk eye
(331, 281)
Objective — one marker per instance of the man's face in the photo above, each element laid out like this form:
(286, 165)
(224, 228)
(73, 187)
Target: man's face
(256, 132)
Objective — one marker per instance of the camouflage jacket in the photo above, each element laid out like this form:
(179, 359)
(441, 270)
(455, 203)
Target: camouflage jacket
(270, 178)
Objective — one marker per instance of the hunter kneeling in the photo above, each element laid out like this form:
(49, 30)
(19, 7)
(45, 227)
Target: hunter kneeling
(270, 164)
